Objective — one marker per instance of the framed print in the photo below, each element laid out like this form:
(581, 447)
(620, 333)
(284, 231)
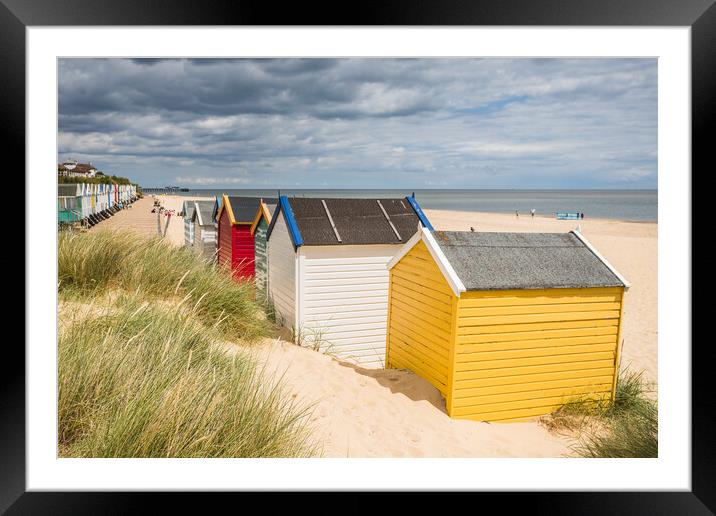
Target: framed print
(424, 249)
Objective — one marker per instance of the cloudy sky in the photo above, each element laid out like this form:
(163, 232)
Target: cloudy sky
(364, 123)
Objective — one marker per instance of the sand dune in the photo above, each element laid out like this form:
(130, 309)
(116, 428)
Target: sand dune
(361, 412)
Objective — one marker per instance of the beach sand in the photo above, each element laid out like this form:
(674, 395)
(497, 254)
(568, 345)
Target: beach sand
(359, 412)
(391, 413)
(140, 218)
(631, 247)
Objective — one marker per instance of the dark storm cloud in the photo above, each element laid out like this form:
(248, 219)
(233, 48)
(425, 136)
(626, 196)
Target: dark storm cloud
(352, 122)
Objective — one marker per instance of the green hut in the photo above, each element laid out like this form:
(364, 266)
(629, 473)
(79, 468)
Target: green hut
(69, 203)
(258, 230)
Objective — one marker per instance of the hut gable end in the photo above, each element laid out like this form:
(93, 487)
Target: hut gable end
(420, 318)
(243, 209)
(203, 212)
(281, 268)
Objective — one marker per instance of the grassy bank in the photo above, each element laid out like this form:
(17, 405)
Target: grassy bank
(626, 428)
(142, 372)
(100, 261)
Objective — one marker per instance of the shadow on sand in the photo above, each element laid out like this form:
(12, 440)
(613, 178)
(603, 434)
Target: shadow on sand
(401, 381)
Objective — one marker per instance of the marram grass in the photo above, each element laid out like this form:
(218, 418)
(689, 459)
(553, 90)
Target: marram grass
(142, 368)
(99, 261)
(627, 428)
(137, 379)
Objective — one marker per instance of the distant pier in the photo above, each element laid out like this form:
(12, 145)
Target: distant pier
(165, 190)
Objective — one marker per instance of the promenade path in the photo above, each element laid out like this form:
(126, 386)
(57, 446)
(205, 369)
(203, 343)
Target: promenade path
(140, 218)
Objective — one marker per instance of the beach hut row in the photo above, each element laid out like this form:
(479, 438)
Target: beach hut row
(88, 204)
(321, 263)
(507, 326)
(236, 232)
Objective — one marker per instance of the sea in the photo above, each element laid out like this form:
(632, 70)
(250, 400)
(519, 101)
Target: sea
(628, 205)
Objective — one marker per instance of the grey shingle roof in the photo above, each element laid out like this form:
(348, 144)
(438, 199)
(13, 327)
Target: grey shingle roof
(188, 209)
(205, 210)
(244, 208)
(358, 221)
(519, 261)
(67, 190)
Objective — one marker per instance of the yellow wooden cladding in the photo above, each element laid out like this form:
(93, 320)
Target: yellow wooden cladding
(505, 374)
(469, 393)
(533, 378)
(482, 298)
(420, 319)
(522, 354)
(502, 355)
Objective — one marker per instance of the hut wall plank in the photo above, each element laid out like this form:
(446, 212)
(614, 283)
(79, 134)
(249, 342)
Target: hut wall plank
(522, 354)
(421, 314)
(188, 232)
(224, 239)
(282, 273)
(261, 264)
(344, 300)
(205, 240)
(243, 258)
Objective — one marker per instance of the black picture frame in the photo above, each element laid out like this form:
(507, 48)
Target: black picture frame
(700, 15)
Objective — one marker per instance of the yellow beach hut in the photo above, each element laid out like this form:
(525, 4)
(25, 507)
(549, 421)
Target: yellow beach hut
(507, 326)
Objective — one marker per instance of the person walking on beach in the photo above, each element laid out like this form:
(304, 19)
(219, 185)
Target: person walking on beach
(517, 213)
(532, 212)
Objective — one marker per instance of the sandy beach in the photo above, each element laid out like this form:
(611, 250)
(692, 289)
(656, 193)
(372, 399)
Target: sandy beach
(139, 218)
(631, 247)
(360, 412)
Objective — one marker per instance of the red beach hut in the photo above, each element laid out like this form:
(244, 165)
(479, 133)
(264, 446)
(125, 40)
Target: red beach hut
(235, 241)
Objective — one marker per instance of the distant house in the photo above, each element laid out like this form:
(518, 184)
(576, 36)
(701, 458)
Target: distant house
(72, 168)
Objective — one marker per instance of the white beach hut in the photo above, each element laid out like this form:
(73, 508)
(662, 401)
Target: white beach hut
(327, 276)
(188, 211)
(85, 193)
(204, 229)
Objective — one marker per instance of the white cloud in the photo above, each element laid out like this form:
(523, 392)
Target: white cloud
(365, 122)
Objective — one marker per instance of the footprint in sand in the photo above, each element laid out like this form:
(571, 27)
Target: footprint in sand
(414, 437)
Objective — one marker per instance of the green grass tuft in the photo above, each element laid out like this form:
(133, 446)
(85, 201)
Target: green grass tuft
(626, 428)
(143, 366)
(140, 380)
(100, 261)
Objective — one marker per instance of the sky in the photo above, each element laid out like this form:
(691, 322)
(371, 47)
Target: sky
(363, 123)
